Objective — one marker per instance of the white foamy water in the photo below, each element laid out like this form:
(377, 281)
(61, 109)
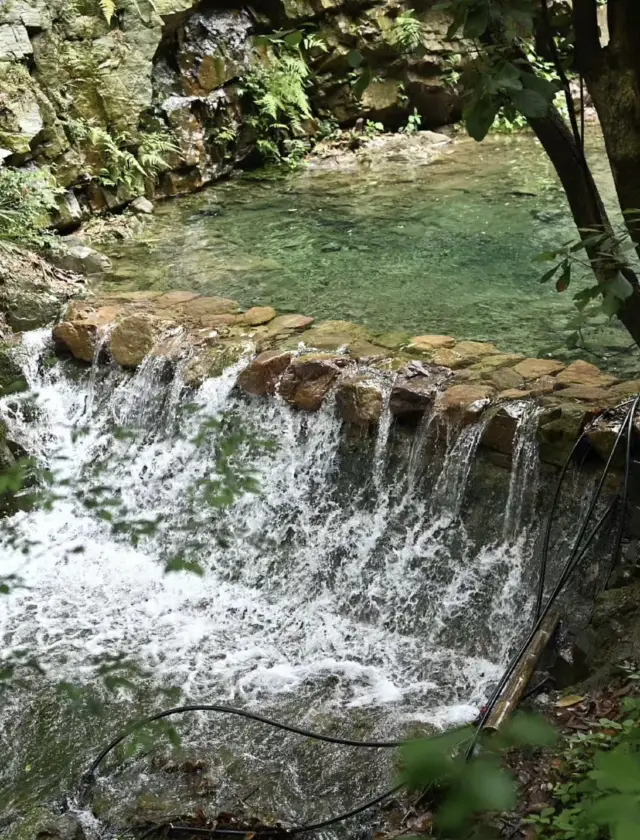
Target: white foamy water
(332, 591)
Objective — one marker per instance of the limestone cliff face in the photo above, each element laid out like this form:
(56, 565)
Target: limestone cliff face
(176, 66)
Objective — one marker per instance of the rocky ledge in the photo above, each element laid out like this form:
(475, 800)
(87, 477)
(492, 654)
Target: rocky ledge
(304, 361)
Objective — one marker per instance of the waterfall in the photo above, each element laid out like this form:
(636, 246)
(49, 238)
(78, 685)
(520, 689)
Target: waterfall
(524, 471)
(320, 600)
(452, 482)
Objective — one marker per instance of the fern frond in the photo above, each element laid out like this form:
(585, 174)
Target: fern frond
(108, 8)
(407, 32)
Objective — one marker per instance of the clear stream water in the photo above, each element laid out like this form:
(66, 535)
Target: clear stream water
(446, 247)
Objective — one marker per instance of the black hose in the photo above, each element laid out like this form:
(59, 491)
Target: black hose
(615, 554)
(185, 828)
(569, 568)
(545, 547)
(544, 554)
(89, 775)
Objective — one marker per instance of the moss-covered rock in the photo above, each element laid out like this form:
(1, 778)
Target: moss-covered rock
(12, 380)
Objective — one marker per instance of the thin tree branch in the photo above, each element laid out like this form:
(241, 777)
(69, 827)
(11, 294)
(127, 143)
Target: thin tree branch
(553, 47)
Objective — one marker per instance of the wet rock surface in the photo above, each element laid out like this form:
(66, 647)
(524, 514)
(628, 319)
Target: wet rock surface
(305, 362)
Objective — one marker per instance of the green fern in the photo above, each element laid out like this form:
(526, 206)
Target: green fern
(277, 88)
(407, 32)
(108, 8)
(153, 150)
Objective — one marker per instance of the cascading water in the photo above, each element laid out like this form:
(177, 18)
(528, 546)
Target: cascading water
(339, 596)
(524, 473)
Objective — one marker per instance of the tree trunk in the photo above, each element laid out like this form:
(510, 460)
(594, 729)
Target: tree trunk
(612, 76)
(586, 206)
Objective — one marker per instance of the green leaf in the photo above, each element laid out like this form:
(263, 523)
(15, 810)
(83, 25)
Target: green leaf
(530, 103)
(545, 256)
(618, 770)
(562, 283)
(545, 87)
(583, 297)
(293, 39)
(488, 786)
(458, 22)
(507, 77)
(529, 730)
(549, 274)
(479, 117)
(363, 81)
(476, 22)
(354, 58)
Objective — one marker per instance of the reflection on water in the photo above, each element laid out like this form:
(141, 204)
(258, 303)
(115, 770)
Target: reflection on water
(444, 248)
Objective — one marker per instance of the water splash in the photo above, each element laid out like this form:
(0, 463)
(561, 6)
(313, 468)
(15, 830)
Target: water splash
(320, 598)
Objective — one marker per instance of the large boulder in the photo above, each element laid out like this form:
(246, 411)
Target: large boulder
(12, 378)
(83, 329)
(559, 427)
(262, 375)
(359, 400)
(215, 49)
(133, 338)
(82, 260)
(32, 291)
(308, 380)
(211, 361)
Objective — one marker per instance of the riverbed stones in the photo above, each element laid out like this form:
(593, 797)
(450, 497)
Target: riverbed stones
(284, 325)
(535, 368)
(308, 379)
(258, 315)
(359, 400)
(505, 378)
(333, 335)
(133, 338)
(428, 343)
(463, 354)
(584, 374)
(261, 376)
(415, 389)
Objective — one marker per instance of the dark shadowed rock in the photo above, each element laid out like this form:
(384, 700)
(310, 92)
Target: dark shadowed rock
(308, 379)
(415, 389)
(261, 376)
